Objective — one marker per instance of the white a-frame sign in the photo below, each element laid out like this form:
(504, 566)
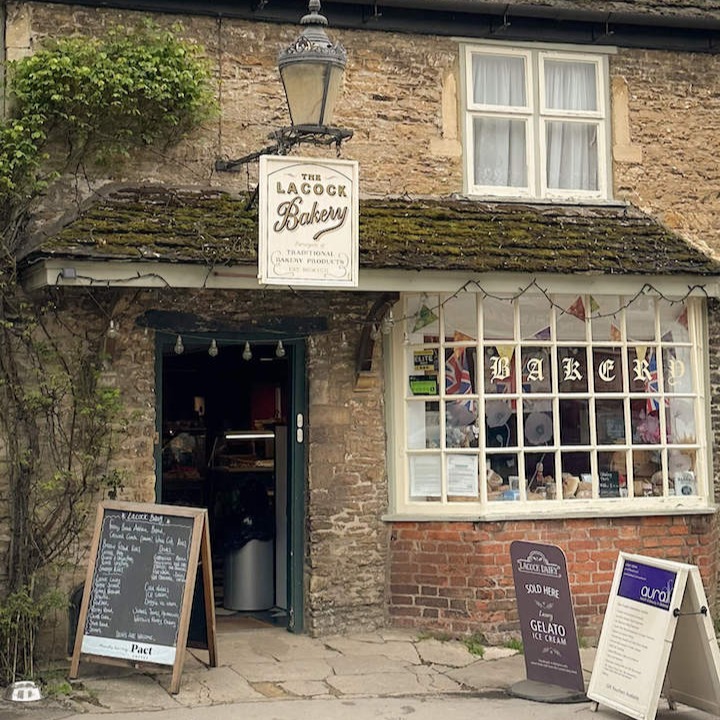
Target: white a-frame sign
(657, 636)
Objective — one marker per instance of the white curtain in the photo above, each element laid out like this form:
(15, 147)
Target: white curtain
(572, 159)
(500, 143)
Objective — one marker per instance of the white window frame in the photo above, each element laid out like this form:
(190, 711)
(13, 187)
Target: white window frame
(399, 398)
(536, 115)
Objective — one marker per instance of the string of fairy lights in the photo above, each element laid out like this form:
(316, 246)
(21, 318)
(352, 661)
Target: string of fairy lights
(385, 325)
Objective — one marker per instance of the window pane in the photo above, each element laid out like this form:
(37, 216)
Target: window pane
(576, 478)
(606, 324)
(647, 473)
(460, 317)
(461, 424)
(677, 370)
(572, 155)
(500, 424)
(422, 324)
(608, 370)
(574, 422)
(538, 427)
(640, 319)
(673, 322)
(498, 319)
(423, 425)
(500, 152)
(534, 317)
(571, 314)
(681, 421)
(570, 85)
(612, 474)
(645, 423)
(683, 473)
(502, 477)
(610, 422)
(425, 482)
(462, 477)
(499, 80)
(540, 472)
(572, 369)
(536, 370)
(500, 369)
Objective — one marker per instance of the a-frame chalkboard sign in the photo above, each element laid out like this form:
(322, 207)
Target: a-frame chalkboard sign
(144, 564)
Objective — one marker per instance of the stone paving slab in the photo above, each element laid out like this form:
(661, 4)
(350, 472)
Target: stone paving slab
(402, 651)
(283, 671)
(385, 684)
(449, 654)
(221, 685)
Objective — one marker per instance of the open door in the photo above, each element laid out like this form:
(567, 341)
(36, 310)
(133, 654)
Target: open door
(229, 442)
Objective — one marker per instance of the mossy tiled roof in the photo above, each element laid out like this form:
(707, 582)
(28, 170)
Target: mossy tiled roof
(212, 227)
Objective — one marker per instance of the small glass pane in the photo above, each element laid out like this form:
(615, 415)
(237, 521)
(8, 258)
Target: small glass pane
(610, 422)
(640, 319)
(462, 477)
(574, 422)
(460, 370)
(423, 425)
(642, 364)
(500, 424)
(461, 428)
(612, 474)
(682, 472)
(500, 369)
(502, 477)
(606, 323)
(576, 477)
(681, 421)
(570, 85)
(673, 322)
(677, 369)
(647, 473)
(536, 370)
(538, 428)
(499, 80)
(645, 422)
(534, 318)
(500, 152)
(422, 363)
(608, 370)
(460, 317)
(572, 155)
(498, 319)
(572, 369)
(425, 478)
(540, 472)
(422, 324)
(571, 314)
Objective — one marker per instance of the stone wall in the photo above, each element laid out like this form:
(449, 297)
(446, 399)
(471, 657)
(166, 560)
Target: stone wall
(401, 98)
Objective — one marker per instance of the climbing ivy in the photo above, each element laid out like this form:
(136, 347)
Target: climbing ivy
(76, 103)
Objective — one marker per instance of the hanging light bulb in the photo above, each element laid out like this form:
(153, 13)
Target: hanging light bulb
(179, 347)
(112, 330)
(247, 352)
(280, 350)
(387, 323)
(213, 349)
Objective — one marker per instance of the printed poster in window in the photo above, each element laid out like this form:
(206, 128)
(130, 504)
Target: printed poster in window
(425, 476)
(462, 475)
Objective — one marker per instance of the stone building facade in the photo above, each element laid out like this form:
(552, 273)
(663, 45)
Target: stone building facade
(370, 554)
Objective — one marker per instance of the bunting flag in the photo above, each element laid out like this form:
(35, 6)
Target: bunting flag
(543, 334)
(577, 309)
(594, 305)
(683, 317)
(615, 333)
(424, 318)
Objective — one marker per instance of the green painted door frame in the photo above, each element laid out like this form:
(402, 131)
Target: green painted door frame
(296, 459)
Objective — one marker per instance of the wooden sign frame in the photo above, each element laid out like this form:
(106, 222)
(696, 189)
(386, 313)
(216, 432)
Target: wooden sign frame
(135, 653)
(657, 636)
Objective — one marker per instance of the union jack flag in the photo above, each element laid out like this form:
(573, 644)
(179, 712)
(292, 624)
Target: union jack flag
(457, 374)
(651, 384)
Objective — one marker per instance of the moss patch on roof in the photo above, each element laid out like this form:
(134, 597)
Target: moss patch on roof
(211, 227)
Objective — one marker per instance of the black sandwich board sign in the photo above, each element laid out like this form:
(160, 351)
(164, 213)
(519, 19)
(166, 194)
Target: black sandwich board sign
(547, 619)
(657, 636)
(143, 569)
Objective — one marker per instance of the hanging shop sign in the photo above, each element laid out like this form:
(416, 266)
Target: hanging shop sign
(657, 636)
(308, 224)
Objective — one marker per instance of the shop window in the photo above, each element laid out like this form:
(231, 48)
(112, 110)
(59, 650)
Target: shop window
(539, 401)
(536, 123)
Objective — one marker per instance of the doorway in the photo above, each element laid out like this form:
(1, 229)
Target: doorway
(223, 418)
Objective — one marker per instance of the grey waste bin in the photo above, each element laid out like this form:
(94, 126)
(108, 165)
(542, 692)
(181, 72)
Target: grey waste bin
(248, 580)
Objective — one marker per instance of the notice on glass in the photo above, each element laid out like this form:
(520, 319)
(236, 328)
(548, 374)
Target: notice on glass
(636, 638)
(462, 475)
(425, 476)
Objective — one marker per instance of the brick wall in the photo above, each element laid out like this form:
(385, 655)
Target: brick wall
(457, 577)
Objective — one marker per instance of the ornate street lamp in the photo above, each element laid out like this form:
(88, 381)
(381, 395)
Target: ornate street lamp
(311, 69)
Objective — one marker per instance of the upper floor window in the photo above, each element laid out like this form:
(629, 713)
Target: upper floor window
(536, 123)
